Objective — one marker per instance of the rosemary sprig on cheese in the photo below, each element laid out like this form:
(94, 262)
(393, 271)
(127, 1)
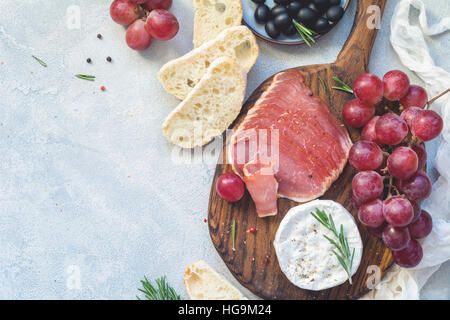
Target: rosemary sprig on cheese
(163, 290)
(343, 254)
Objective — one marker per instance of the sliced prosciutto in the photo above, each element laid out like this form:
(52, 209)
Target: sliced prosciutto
(292, 131)
(262, 186)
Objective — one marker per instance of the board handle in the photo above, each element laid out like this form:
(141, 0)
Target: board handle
(358, 47)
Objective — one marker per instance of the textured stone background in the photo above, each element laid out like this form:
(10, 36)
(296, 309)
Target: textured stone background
(90, 200)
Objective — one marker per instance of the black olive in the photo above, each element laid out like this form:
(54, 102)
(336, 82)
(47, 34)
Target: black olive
(259, 1)
(335, 13)
(307, 16)
(278, 10)
(271, 30)
(282, 21)
(321, 25)
(304, 2)
(282, 2)
(312, 6)
(290, 31)
(334, 2)
(294, 7)
(262, 13)
(322, 5)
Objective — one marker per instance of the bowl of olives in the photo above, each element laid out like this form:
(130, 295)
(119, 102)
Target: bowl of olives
(278, 21)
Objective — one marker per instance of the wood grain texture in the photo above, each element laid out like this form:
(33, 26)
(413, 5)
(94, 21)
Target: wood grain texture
(254, 262)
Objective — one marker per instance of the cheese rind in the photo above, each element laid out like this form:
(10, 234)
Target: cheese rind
(305, 256)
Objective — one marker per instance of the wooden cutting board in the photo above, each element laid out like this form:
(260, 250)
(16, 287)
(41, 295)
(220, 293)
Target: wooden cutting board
(254, 262)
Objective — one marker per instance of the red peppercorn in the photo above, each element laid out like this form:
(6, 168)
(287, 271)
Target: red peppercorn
(252, 229)
(103, 88)
(204, 220)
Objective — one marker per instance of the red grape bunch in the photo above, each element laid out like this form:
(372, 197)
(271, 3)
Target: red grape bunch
(391, 182)
(146, 19)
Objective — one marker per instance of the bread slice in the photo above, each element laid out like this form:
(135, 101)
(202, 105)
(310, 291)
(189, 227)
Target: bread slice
(204, 283)
(214, 16)
(210, 107)
(180, 76)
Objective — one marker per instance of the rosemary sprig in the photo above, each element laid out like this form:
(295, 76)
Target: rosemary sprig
(323, 84)
(42, 63)
(344, 256)
(85, 77)
(345, 87)
(163, 290)
(233, 234)
(304, 32)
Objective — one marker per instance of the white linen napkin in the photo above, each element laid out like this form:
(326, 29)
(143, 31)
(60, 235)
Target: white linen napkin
(409, 42)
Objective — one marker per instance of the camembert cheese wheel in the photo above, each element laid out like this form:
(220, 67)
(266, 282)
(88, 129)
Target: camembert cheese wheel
(305, 256)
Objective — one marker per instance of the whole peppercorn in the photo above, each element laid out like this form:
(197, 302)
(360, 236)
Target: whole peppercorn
(109, 59)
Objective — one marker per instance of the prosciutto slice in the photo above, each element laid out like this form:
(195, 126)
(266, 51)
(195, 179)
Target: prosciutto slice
(291, 134)
(262, 186)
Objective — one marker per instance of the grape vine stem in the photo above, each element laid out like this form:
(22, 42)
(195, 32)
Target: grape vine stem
(390, 186)
(429, 103)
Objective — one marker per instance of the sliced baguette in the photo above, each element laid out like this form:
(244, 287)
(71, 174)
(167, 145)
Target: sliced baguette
(203, 283)
(214, 16)
(181, 75)
(210, 108)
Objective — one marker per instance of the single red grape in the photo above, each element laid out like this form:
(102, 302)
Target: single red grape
(391, 129)
(377, 232)
(410, 114)
(371, 214)
(416, 97)
(418, 187)
(369, 133)
(162, 25)
(357, 113)
(427, 125)
(124, 12)
(422, 226)
(157, 4)
(410, 256)
(367, 186)
(398, 211)
(230, 187)
(368, 88)
(137, 36)
(395, 85)
(365, 155)
(395, 238)
(421, 155)
(402, 163)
